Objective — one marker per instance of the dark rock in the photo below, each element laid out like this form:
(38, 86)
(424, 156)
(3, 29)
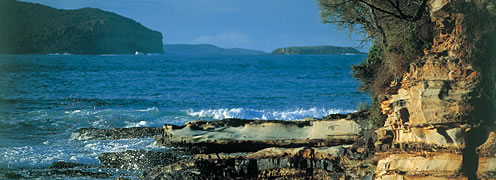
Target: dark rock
(64, 165)
(355, 116)
(334, 116)
(13, 176)
(271, 163)
(181, 170)
(119, 133)
(136, 159)
(78, 173)
(226, 146)
(359, 115)
(122, 178)
(236, 122)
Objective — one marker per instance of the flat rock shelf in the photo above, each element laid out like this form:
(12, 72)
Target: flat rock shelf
(329, 148)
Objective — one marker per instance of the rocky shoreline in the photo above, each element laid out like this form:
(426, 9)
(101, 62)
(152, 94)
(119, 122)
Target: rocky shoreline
(334, 147)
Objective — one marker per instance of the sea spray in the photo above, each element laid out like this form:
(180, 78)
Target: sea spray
(244, 113)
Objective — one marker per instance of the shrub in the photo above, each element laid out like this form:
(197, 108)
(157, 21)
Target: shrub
(368, 70)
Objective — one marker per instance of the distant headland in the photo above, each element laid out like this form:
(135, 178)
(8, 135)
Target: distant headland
(207, 49)
(28, 28)
(316, 50)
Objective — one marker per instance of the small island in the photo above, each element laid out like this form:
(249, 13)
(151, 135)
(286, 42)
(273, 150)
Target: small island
(316, 50)
(28, 28)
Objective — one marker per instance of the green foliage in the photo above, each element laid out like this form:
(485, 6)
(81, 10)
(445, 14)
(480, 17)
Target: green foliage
(27, 28)
(371, 17)
(406, 45)
(316, 50)
(368, 71)
(377, 119)
(398, 29)
(373, 79)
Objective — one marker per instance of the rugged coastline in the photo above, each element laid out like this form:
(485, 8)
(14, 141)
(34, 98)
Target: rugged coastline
(335, 146)
(439, 123)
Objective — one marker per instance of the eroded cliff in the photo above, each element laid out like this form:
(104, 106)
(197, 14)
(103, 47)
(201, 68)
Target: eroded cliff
(441, 109)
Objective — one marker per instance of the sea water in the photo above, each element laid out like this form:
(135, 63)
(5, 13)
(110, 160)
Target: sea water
(45, 98)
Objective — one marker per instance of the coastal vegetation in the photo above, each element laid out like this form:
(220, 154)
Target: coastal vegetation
(430, 73)
(316, 50)
(28, 28)
(399, 31)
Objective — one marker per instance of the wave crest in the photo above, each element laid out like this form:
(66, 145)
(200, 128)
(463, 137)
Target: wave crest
(293, 114)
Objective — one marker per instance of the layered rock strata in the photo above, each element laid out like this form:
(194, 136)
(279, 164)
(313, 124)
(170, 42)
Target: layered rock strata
(253, 149)
(486, 168)
(237, 135)
(431, 123)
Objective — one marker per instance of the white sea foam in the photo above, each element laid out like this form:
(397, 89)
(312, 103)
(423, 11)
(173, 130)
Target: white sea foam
(292, 114)
(43, 155)
(136, 124)
(72, 112)
(148, 109)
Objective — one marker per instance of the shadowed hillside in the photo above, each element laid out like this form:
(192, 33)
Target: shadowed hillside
(206, 49)
(27, 28)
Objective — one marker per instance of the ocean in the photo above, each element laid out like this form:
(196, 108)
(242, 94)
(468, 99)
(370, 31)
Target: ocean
(45, 98)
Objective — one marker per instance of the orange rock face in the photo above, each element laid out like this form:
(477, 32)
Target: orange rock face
(428, 116)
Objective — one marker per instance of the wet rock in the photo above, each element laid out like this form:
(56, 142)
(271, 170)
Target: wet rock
(236, 135)
(180, 170)
(136, 159)
(334, 116)
(119, 133)
(254, 149)
(78, 173)
(122, 178)
(65, 165)
(355, 116)
(292, 163)
(13, 176)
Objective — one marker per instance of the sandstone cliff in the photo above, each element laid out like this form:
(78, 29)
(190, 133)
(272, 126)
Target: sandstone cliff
(445, 101)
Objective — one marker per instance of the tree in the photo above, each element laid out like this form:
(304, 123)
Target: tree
(400, 30)
(371, 15)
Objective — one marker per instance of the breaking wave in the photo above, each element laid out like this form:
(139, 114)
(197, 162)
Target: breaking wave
(293, 114)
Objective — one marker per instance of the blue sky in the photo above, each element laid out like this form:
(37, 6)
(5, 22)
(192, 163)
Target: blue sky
(254, 24)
